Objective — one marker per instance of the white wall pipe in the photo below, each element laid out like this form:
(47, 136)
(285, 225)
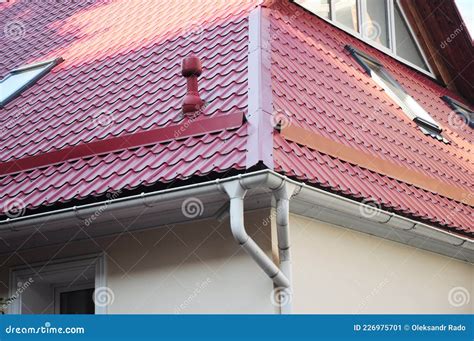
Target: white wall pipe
(236, 192)
(283, 195)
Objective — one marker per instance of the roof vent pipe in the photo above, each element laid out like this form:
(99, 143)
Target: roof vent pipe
(192, 69)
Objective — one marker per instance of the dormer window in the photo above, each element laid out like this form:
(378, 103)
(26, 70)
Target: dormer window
(410, 107)
(20, 79)
(380, 23)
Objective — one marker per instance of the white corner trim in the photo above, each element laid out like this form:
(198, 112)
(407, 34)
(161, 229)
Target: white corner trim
(260, 106)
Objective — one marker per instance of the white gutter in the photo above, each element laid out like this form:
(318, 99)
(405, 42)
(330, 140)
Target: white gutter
(263, 178)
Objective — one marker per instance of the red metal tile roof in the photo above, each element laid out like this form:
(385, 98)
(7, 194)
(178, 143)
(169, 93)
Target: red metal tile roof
(121, 75)
(320, 87)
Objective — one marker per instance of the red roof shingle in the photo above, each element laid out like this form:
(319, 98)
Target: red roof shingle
(121, 75)
(320, 87)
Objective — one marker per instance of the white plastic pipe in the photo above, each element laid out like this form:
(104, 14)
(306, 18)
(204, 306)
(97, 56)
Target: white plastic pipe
(283, 196)
(236, 192)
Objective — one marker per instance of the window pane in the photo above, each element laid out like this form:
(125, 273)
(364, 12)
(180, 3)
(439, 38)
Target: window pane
(408, 104)
(319, 7)
(406, 46)
(345, 13)
(17, 80)
(77, 302)
(410, 107)
(375, 25)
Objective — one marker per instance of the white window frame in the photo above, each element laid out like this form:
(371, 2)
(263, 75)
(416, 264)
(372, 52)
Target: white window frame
(58, 266)
(411, 108)
(392, 50)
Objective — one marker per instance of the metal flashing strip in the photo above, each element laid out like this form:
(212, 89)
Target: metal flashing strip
(189, 127)
(338, 150)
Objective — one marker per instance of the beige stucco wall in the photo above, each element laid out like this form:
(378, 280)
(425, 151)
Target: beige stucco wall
(187, 268)
(336, 270)
(198, 268)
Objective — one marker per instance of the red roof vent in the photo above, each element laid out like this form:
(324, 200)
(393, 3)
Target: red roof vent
(192, 68)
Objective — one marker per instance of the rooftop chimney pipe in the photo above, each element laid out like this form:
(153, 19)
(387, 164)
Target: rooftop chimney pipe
(191, 69)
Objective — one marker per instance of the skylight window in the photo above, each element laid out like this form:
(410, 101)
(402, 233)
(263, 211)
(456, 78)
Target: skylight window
(380, 23)
(465, 114)
(20, 79)
(410, 107)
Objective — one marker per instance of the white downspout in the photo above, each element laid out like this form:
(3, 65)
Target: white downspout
(283, 196)
(281, 276)
(236, 193)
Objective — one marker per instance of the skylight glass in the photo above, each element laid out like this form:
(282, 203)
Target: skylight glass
(21, 78)
(408, 104)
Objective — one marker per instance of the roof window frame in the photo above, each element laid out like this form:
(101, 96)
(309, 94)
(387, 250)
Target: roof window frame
(433, 128)
(48, 66)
